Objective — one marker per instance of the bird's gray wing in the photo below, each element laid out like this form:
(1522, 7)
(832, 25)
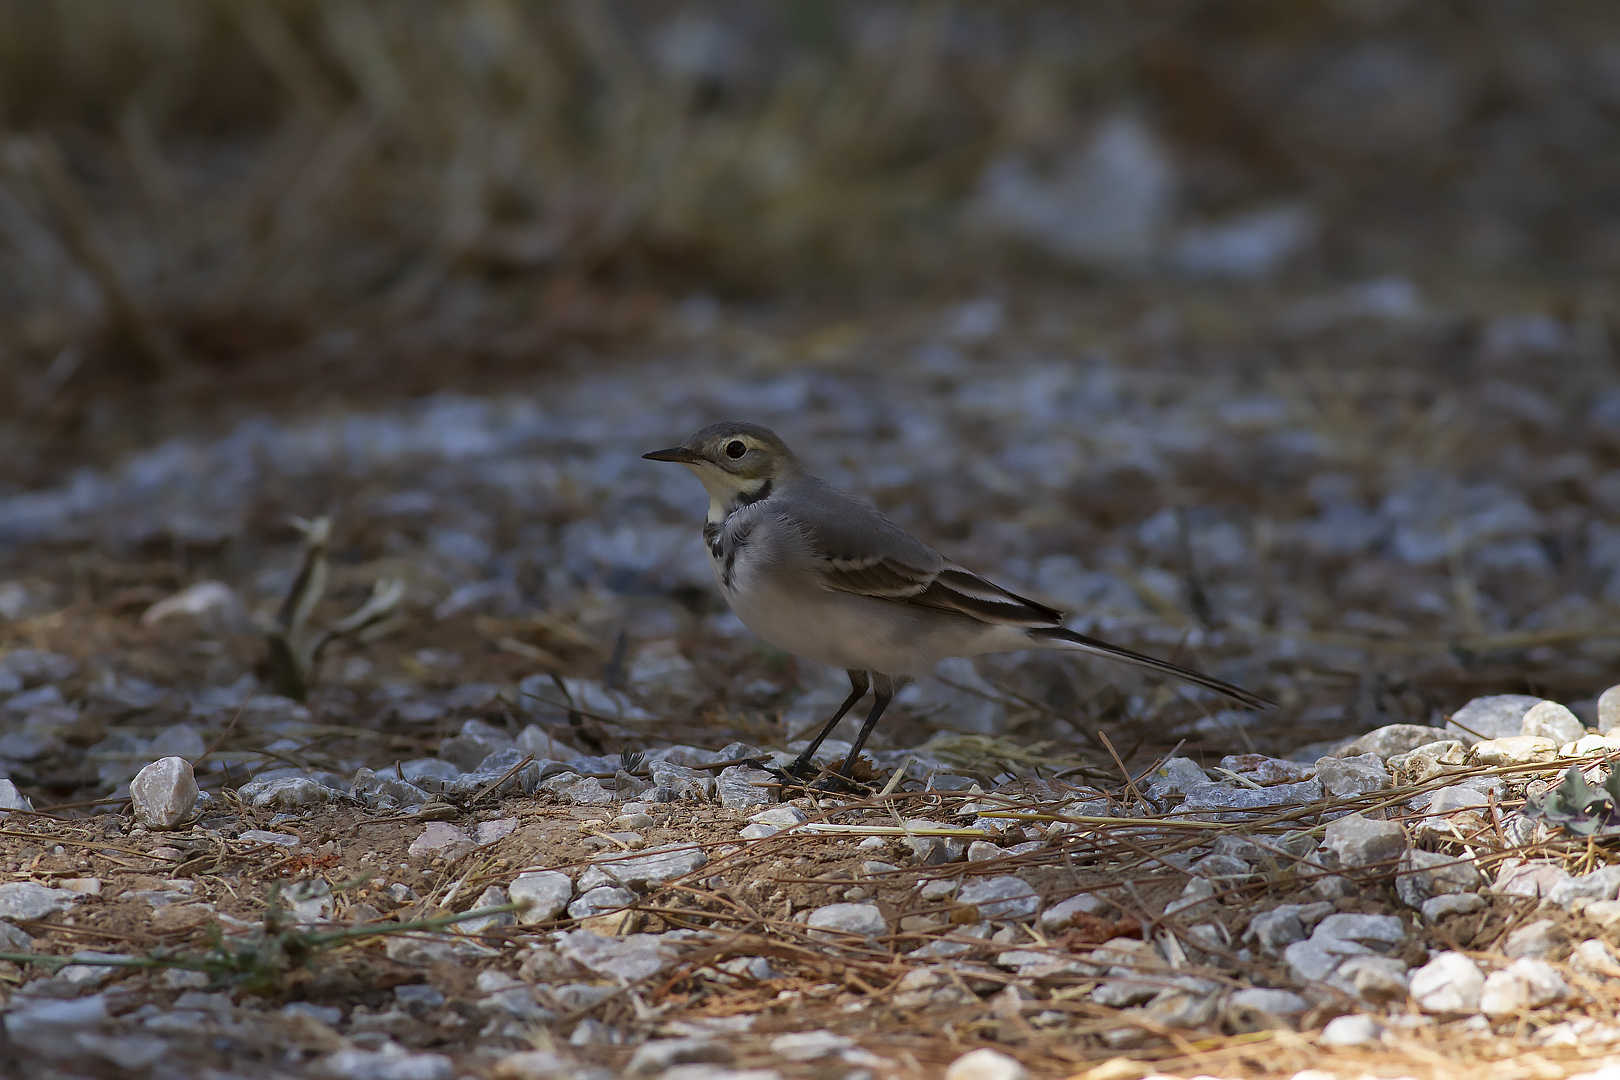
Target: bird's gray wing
(956, 589)
(860, 551)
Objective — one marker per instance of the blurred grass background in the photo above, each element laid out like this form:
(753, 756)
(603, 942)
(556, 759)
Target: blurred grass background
(226, 198)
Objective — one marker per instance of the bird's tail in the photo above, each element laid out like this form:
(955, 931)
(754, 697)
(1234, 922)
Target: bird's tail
(1060, 637)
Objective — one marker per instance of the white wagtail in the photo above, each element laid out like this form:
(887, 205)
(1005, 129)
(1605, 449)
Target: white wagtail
(820, 574)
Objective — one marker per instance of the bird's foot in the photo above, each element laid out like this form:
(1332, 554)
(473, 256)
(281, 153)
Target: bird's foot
(800, 769)
(805, 777)
(840, 784)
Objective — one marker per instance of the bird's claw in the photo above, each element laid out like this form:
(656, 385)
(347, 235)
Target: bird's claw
(840, 784)
(803, 776)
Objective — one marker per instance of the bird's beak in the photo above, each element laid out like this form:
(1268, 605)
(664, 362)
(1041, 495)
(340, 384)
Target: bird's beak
(675, 453)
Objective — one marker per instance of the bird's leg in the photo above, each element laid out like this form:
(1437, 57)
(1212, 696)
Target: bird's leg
(882, 694)
(801, 767)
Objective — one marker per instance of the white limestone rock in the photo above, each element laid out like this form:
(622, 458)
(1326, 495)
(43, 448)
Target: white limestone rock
(547, 893)
(1449, 984)
(1550, 720)
(164, 793)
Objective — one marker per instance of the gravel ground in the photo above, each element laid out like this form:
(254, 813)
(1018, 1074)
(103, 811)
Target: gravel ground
(1369, 507)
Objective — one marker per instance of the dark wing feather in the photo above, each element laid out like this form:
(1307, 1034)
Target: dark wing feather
(887, 578)
(956, 589)
(845, 533)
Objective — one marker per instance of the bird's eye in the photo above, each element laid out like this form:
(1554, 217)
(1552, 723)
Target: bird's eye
(735, 449)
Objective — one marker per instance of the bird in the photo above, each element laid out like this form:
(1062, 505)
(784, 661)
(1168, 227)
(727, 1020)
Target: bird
(820, 574)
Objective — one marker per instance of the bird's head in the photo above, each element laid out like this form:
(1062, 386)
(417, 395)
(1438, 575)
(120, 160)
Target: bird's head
(738, 463)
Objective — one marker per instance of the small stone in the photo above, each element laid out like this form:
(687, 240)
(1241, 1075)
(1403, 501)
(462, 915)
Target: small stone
(932, 850)
(1606, 913)
(937, 888)
(1534, 940)
(440, 840)
(1534, 877)
(13, 939)
(1377, 979)
(1608, 709)
(1125, 992)
(739, 787)
(654, 866)
(586, 791)
(1057, 918)
(1333, 887)
(547, 893)
(1439, 907)
(1267, 770)
(265, 836)
(656, 1055)
(290, 793)
(1357, 1029)
(163, 794)
(1515, 750)
(832, 922)
(1432, 759)
(493, 896)
(1227, 797)
(1282, 1004)
(12, 799)
(1364, 841)
(1426, 874)
(1195, 892)
(392, 1062)
(636, 956)
(1001, 897)
(580, 997)
(599, 901)
(781, 816)
(754, 968)
(924, 986)
(986, 1064)
(1313, 961)
(1241, 848)
(1277, 929)
(1550, 720)
(1600, 884)
(984, 851)
(535, 1065)
(329, 1015)
(382, 791)
(1450, 983)
(757, 831)
(1176, 776)
(1524, 984)
(1347, 776)
(1182, 1007)
(29, 900)
(1496, 717)
(1586, 744)
(687, 783)
(1390, 740)
(418, 999)
(39, 1024)
(1458, 797)
(1593, 957)
(1221, 866)
(1378, 932)
(809, 1045)
(488, 832)
(476, 742)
